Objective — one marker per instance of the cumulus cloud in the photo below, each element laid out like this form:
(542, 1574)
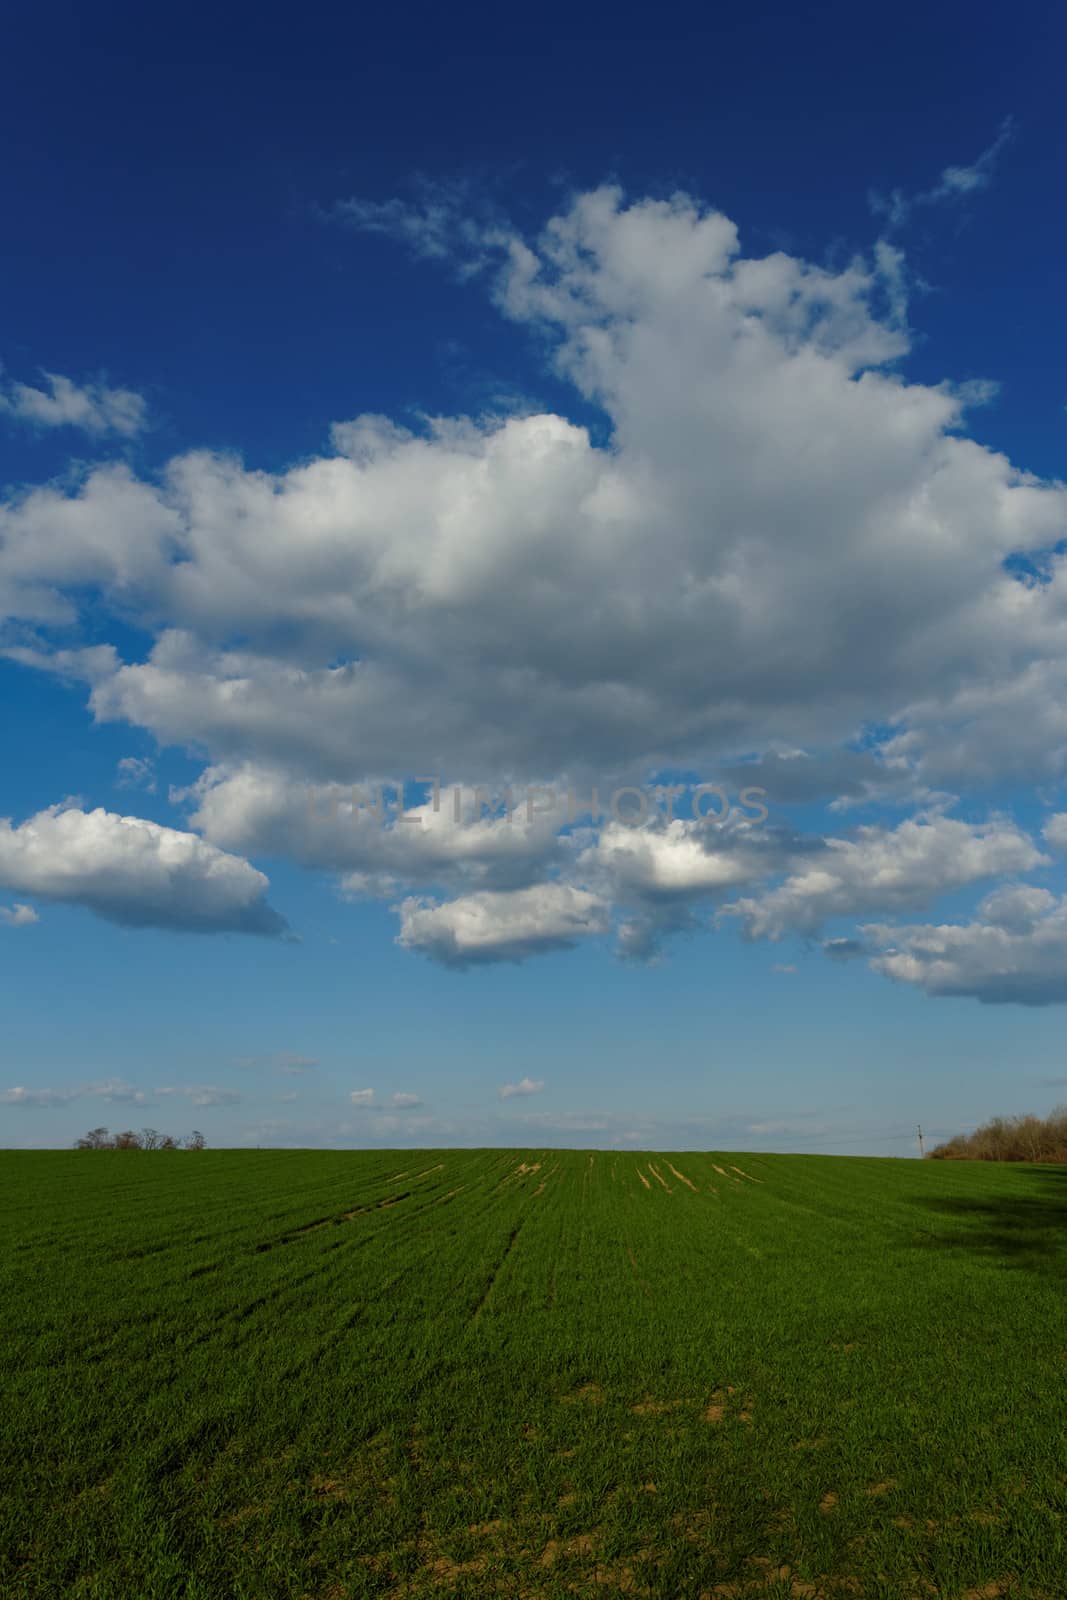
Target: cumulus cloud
(525, 1086)
(784, 538)
(362, 1097)
(1014, 951)
(659, 872)
(893, 869)
(502, 925)
(775, 554)
(94, 407)
(361, 833)
(18, 915)
(133, 872)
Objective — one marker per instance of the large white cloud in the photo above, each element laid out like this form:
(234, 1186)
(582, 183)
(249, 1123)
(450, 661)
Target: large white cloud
(134, 872)
(779, 543)
(782, 539)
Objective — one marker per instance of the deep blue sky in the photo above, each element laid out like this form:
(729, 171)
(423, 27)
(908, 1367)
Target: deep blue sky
(163, 228)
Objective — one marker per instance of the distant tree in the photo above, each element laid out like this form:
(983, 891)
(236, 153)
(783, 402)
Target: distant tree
(95, 1139)
(147, 1139)
(1029, 1138)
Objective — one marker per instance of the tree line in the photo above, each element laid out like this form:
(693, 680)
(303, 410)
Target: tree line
(147, 1139)
(1029, 1138)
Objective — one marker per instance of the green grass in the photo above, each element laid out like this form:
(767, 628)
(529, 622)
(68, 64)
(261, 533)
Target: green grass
(248, 1376)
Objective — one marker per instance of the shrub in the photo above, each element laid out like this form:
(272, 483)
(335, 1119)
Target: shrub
(1025, 1138)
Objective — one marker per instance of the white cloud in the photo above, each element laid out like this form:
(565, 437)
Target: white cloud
(404, 1102)
(134, 872)
(1054, 832)
(18, 915)
(1014, 951)
(904, 868)
(112, 1090)
(954, 184)
(61, 403)
(779, 543)
(784, 537)
(136, 772)
(524, 1086)
(254, 809)
(505, 925)
(362, 1097)
(21, 1096)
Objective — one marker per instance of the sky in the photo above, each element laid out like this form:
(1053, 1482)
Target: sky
(533, 599)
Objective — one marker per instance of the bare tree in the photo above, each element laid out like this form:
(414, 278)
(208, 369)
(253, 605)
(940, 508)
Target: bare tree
(95, 1139)
(147, 1139)
(1028, 1138)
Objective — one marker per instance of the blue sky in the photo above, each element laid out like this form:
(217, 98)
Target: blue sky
(620, 401)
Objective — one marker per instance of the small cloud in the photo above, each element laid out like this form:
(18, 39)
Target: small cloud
(136, 772)
(61, 403)
(845, 949)
(18, 915)
(955, 183)
(508, 1091)
(405, 1102)
(116, 1092)
(362, 1097)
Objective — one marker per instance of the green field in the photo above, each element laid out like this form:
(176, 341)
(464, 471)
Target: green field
(547, 1373)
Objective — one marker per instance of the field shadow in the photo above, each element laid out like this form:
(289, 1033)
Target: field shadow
(1028, 1230)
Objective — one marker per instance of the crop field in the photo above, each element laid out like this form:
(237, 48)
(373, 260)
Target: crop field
(250, 1375)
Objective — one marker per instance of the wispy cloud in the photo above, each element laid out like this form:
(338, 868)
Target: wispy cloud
(136, 772)
(286, 1063)
(113, 1090)
(203, 1094)
(955, 182)
(60, 403)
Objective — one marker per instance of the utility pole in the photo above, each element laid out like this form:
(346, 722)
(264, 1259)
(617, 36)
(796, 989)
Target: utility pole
(922, 1148)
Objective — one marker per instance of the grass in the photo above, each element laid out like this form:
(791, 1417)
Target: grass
(250, 1375)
